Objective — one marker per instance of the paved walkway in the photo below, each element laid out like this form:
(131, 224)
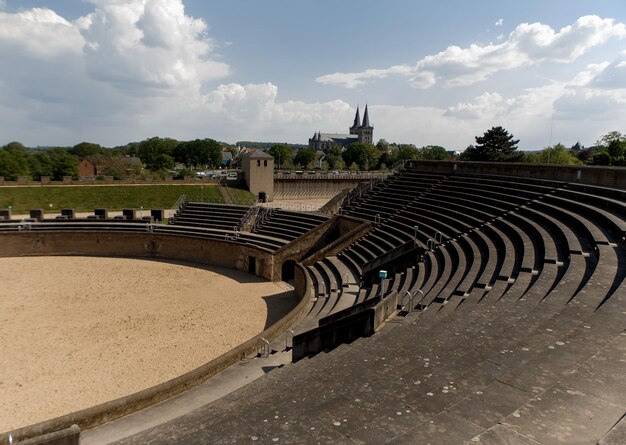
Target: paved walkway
(224, 383)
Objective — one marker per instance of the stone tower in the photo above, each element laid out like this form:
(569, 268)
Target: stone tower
(365, 131)
(258, 169)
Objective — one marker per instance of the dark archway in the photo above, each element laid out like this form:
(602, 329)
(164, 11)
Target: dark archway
(288, 271)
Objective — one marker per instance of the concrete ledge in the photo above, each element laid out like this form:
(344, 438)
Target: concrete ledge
(583, 174)
(67, 436)
(345, 327)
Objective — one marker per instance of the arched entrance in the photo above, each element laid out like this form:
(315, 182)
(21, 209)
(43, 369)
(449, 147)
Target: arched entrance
(288, 271)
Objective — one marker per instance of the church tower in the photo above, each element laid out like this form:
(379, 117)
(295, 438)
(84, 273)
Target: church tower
(354, 129)
(365, 132)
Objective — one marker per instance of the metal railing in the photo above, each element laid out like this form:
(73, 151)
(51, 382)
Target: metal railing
(179, 203)
(263, 347)
(289, 336)
(439, 237)
(419, 291)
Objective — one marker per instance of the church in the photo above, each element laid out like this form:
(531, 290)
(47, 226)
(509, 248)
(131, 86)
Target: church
(359, 132)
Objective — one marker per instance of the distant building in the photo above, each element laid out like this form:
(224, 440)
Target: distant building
(86, 169)
(358, 132)
(258, 170)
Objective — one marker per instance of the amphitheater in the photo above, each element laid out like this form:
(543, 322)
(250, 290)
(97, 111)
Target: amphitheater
(447, 303)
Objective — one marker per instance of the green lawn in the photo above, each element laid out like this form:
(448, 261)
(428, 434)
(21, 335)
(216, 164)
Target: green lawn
(112, 197)
(242, 197)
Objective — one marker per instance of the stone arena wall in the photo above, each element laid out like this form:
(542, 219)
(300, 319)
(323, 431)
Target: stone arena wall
(148, 245)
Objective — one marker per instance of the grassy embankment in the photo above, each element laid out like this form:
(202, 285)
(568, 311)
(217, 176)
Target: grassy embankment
(114, 197)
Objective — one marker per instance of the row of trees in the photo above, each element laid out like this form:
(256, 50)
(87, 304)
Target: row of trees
(495, 145)
(159, 155)
(16, 160)
(357, 156)
(500, 146)
(163, 153)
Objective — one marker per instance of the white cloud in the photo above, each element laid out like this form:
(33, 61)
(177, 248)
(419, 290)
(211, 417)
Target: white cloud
(580, 108)
(527, 44)
(148, 44)
(352, 80)
(134, 69)
(612, 75)
(38, 33)
(499, 22)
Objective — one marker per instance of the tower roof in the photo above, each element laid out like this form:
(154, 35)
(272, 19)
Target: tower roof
(357, 119)
(259, 154)
(366, 119)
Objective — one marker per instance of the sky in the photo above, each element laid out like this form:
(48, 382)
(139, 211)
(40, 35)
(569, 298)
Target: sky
(431, 73)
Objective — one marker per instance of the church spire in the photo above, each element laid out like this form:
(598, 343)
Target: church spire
(366, 118)
(357, 119)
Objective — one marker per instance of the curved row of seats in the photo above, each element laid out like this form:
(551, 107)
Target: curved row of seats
(208, 215)
(285, 224)
(486, 239)
(498, 236)
(518, 336)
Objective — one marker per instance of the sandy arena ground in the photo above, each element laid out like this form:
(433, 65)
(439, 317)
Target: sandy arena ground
(79, 331)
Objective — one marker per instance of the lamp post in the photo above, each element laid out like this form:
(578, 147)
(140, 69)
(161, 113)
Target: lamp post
(278, 156)
(415, 230)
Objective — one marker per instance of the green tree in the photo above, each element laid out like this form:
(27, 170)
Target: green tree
(14, 161)
(382, 145)
(495, 145)
(156, 153)
(364, 155)
(40, 164)
(283, 155)
(85, 149)
(304, 157)
(435, 153)
(605, 140)
(407, 151)
(610, 149)
(197, 153)
(616, 149)
(557, 154)
(64, 164)
(601, 157)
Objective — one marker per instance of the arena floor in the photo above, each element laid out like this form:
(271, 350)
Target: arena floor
(79, 331)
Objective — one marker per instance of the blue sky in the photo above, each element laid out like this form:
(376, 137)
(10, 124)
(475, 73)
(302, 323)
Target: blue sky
(431, 72)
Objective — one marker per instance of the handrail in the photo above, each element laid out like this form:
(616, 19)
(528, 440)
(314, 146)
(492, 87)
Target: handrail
(430, 244)
(179, 203)
(440, 236)
(263, 347)
(421, 299)
(402, 306)
(345, 282)
(289, 335)
(398, 165)
(245, 217)
(320, 291)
